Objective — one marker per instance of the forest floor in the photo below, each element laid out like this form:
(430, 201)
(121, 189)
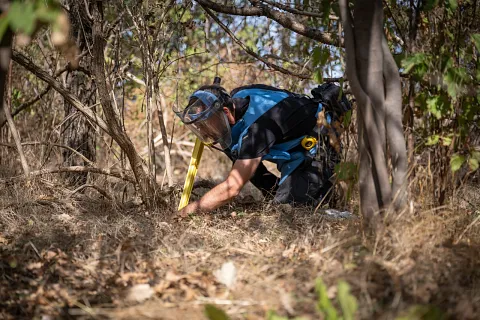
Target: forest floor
(83, 257)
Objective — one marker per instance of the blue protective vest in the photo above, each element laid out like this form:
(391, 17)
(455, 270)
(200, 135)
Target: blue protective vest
(262, 100)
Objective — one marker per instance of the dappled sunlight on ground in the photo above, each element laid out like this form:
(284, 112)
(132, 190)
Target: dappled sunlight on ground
(85, 257)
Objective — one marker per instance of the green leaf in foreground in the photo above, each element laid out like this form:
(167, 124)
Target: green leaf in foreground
(22, 17)
(420, 312)
(3, 25)
(456, 162)
(324, 304)
(347, 301)
(214, 313)
(272, 315)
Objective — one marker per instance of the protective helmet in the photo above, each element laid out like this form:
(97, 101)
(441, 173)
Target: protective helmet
(204, 116)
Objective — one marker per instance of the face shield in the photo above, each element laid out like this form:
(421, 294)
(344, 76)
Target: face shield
(207, 120)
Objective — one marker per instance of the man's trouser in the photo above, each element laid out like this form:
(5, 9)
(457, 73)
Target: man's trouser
(308, 184)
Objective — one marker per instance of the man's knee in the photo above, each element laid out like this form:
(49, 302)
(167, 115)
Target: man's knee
(304, 186)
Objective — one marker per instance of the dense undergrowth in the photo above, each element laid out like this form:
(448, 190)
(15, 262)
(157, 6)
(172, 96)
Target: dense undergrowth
(82, 256)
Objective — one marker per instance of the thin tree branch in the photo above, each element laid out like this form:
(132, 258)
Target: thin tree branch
(13, 128)
(284, 19)
(28, 104)
(97, 188)
(25, 105)
(87, 10)
(113, 173)
(67, 95)
(402, 37)
(34, 143)
(299, 12)
(251, 52)
(276, 57)
(39, 96)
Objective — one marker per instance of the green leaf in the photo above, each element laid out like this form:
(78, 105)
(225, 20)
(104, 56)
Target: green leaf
(347, 301)
(475, 155)
(456, 162)
(447, 141)
(347, 118)
(476, 40)
(317, 51)
(399, 58)
(416, 64)
(432, 140)
(320, 56)
(454, 79)
(22, 17)
(318, 75)
(438, 106)
(272, 315)
(326, 5)
(336, 9)
(409, 62)
(420, 312)
(446, 63)
(324, 56)
(214, 313)
(473, 164)
(3, 26)
(47, 14)
(453, 4)
(324, 304)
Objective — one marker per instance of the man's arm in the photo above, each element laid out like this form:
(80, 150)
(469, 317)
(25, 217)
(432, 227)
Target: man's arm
(241, 172)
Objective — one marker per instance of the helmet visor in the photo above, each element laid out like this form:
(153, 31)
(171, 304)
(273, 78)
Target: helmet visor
(204, 116)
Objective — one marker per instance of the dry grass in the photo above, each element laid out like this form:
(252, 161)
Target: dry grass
(77, 257)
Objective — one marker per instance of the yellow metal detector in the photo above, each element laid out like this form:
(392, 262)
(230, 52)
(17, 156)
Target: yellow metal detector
(195, 161)
(192, 172)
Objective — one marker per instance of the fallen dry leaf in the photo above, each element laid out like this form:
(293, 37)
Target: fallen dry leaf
(139, 293)
(227, 274)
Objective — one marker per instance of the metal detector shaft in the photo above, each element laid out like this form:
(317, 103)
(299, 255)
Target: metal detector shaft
(192, 172)
(193, 167)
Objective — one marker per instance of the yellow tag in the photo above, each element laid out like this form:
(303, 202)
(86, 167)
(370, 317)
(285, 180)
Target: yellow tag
(308, 143)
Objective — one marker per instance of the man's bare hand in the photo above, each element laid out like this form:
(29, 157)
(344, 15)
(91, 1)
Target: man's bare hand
(189, 209)
(241, 172)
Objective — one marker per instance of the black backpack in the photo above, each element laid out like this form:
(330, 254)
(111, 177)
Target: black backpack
(334, 101)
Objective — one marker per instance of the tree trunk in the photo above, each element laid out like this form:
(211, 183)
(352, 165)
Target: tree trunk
(112, 116)
(78, 133)
(375, 83)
